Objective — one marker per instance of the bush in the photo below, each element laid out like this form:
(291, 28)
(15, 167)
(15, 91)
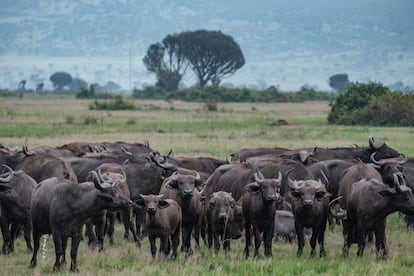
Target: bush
(372, 104)
(117, 103)
(222, 94)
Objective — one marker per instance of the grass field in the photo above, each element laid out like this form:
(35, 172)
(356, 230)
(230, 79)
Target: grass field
(189, 129)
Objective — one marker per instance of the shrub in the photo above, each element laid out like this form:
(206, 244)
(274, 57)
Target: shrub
(117, 103)
(372, 104)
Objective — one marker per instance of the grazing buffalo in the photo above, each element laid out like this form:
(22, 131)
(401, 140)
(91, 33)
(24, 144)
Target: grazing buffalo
(15, 194)
(368, 203)
(284, 226)
(60, 207)
(259, 208)
(182, 189)
(224, 220)
(163, 220)
(310, 208)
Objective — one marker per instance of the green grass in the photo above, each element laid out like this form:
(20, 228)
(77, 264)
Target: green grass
(187, 128)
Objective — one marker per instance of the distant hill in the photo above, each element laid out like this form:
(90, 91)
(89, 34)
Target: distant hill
(285, 43)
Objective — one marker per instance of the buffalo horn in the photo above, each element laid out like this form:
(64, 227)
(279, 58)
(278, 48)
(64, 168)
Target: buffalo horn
(293, 184)
(106, 181)
(342, 214)
(258, 177)
(7, 176)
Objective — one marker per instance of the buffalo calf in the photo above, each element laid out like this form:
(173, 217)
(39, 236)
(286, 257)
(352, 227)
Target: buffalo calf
(163, 220)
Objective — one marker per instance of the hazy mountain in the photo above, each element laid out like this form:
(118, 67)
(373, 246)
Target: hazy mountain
(285, 43)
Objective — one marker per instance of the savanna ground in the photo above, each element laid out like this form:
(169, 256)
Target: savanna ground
(189, 129)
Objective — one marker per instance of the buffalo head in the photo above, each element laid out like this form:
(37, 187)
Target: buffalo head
(268, 188)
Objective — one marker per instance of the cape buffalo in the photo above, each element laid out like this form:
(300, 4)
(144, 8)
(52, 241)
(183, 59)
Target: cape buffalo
(368, 204)
(224, 220)
(310, 208)
(163, 220)
(15, 194)
(259, 208)
(60, 207)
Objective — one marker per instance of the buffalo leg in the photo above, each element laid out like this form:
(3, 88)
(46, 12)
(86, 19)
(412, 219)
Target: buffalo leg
(301, 238)
(380, 242)
(257, 241)
(248, 241)
(26, 234)
(267, 238)
(76, 238)
(64, 246)
(175, 240)
(57, 239)
(153, 246)
(7, 238)
(36, 244)
(321, 239)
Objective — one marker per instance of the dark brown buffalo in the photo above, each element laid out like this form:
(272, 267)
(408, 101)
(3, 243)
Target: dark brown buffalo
(330, 172)
(41, 167)
(224, 220)
(259, 208)
(201, 164)
(182, 189)
(234, 177)
(15, 194)
(368, 203)
(81, 148)
(145, 178)
(284, 226)
(60, 207)
(11, 158)
(388, 167)
(310, 207)
(243, 154)
(104, 221)
(381, 150)
(163, 220)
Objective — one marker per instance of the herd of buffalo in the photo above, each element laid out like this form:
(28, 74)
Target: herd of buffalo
(80, 190)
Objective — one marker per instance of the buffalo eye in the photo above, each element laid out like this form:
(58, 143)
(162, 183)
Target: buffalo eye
(212, 205)
(296, 193)
(319, 194)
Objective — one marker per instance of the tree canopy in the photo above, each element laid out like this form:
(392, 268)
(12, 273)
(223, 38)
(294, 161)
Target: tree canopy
(60, 80)
(339, 82)
(211, 55)
(167, 61)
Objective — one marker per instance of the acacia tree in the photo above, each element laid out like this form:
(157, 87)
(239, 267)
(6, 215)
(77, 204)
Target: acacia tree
(212, 55)
(167, 61)
(339, 82)
(60, 80)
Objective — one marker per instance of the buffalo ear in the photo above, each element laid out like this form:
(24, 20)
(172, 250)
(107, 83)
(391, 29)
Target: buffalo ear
(253, 188)
(295, 193)
(163, 204)
(140, 203)
(388, 193)
(173, 184)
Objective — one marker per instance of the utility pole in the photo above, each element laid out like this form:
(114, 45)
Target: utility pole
(130, 68)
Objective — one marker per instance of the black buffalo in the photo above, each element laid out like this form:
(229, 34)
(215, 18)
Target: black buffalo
(60, 207)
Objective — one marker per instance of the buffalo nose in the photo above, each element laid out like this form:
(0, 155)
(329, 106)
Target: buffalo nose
(222, 216)
(271, 198)
(188, 193)
(151, 210)
(308, 203)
